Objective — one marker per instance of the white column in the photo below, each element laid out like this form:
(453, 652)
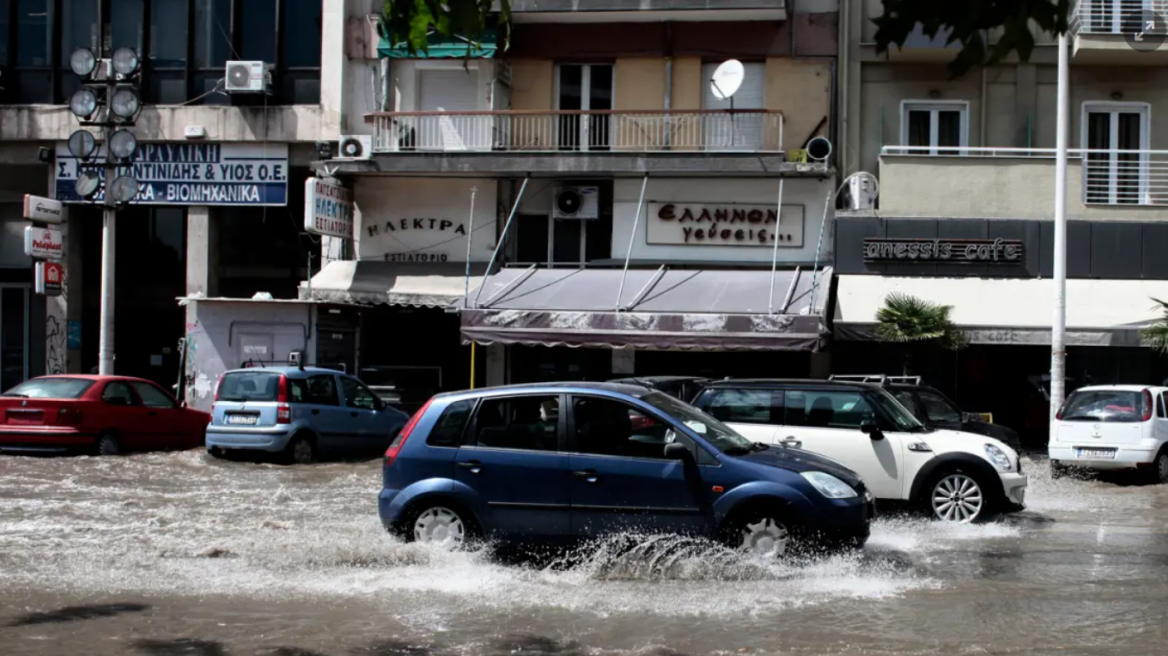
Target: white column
(1058, 355)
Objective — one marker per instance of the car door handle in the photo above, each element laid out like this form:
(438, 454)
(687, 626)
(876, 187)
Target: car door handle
(589, 475)
(473, 465)
(792, 443)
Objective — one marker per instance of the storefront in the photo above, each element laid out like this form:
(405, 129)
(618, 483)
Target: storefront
(698, 297)
(391, 314)
(996, 275)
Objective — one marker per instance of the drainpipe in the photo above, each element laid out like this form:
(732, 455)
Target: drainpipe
(984, 107)
(841, 81)
(668, 83)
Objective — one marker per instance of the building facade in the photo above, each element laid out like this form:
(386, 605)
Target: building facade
(583, 205)
(964, 218)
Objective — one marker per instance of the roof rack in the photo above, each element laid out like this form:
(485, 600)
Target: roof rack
(879, 379)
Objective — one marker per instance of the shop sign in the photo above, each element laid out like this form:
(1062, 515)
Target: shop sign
(432, 231)
(724, 224)
(43, 210)
(328, 208)
(230, 174)
(44, 243)
(49, 277)
(979, 251)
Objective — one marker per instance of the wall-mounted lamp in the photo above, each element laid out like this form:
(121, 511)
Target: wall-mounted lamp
(934, 94)
(1117, 95)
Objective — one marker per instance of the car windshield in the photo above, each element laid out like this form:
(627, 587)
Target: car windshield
(902, 418)
(719, 435)
(51, 388)
(1104, 406)
(249, 386)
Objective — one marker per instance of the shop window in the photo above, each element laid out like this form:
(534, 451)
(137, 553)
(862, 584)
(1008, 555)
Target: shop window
(936, 125)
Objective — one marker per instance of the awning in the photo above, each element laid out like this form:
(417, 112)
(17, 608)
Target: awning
(701, 310)
(1099, 312)
(392, 283)
(444, 47)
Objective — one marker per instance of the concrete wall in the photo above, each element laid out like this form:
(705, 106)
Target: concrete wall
(640, 83)
(533, 84)
(809, 194)
(213, 336)
(802, 91)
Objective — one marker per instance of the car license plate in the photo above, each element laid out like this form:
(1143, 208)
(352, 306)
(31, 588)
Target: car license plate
(1100, 454)
(246, 420)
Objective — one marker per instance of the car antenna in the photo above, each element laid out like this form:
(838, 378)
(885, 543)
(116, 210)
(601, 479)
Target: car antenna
(301, 363)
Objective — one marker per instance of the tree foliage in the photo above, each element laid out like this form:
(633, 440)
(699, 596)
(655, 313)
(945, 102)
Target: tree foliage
(968, 22)
(906, 319)
(410, 22)
(1155, 335)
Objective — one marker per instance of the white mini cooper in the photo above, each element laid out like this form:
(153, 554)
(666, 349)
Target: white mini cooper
(954, 476)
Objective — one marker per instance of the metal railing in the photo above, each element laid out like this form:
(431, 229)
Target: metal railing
(578, 131)
(1109, 177)
(1119, 17)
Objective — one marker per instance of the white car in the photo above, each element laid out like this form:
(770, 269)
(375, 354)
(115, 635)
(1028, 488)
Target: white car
(1111, 427)
(954, 476)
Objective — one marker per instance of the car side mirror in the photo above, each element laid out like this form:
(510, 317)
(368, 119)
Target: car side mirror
(678, 451)
(869, 428)
(970, 416)
(182, 404)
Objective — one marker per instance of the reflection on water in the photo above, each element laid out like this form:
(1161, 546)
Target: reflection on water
(255, 552)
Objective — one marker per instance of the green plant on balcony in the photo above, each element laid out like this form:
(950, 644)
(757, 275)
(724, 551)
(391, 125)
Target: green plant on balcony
(906, 319)
(1155, 334)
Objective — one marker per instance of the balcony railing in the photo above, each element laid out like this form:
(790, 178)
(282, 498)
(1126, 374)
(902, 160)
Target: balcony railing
(1120, 17)
(1108, 177)
(752, 131)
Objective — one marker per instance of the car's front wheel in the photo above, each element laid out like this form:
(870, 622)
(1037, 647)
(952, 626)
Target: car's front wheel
(957, 496)
(300, 451)
(764, 534)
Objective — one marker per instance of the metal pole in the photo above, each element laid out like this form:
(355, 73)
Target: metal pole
(775, 250)
(632, 238)
(105, 347)
(472, 365)
(1058, 355)
(502, 238)
(469, 238)
(819, 246)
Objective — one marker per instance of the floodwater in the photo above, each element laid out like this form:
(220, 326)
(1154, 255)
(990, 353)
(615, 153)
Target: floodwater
(182, 554)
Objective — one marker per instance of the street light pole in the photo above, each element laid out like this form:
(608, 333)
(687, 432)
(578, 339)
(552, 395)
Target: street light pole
(105, 349)
(1058, 353)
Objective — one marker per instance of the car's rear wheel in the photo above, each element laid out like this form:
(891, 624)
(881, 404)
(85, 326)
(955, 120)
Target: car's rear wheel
(440, 525)
(769, 534)
(957, 496)
(107, 445)
(1058, 470)
(300, 451)
(1158, 471)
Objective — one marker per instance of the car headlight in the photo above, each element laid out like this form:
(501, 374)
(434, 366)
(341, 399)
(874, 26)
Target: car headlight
(998, 457)
(828, 485)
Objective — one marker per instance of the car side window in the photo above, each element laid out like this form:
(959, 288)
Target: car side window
(322, 390)
(448, 429)
(529, 423)
(357, 395)
(118, 394)
(827, 409)
(743, 406)
(938, 409)
(1160, 406)
(608, 427)
(152, 397)
(906, 398)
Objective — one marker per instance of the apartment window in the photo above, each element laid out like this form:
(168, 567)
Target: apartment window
(1115, 136)
(585, 88)
(184, 45)
(935, 125)
(542, 240)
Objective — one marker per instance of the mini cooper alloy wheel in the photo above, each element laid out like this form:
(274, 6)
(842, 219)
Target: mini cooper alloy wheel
(957, 498)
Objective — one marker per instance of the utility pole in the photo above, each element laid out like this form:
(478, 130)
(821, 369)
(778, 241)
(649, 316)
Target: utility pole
(1058, 352)
(107, 100)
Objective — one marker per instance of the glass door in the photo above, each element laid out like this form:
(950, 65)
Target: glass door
(584, 89)
(13, 335)
(1115, 167)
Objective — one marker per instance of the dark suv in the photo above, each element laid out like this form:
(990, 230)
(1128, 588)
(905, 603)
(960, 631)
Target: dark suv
(933, 408)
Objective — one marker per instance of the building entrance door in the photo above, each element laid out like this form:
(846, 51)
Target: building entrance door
(14, 310)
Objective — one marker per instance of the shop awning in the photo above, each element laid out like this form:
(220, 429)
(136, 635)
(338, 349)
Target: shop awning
(392, 283)
(701, 310)
(444, 47)
(1099, 312)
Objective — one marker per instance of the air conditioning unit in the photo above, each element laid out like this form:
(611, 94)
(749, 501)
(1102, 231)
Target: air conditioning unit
(246, 77)
(355, 146)
(576, 203)
(862, 191)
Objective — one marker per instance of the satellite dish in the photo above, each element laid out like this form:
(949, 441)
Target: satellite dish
(727, 79)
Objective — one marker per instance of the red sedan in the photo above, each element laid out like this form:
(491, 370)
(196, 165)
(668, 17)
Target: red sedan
(102, 415)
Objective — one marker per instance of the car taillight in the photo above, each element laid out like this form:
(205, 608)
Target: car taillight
(218, 386)
(1059, 415)
(282, 391)
(283, 414)
(399, 442)
(1147, 405)
(67, 417)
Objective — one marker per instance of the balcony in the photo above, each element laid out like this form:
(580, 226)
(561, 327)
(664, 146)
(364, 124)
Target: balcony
(1018, 183)
(742, 142)
(1120, 32)
(549, 11)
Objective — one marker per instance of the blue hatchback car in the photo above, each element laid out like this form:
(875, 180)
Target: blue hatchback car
(298, 413)
(573, 461)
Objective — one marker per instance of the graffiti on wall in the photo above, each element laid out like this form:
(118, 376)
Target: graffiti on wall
(56, 334)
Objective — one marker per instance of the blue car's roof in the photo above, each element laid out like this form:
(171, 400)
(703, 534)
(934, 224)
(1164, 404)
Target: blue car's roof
(287, 371)
(626, 389)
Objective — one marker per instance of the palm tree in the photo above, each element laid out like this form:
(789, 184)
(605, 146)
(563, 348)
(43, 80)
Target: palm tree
(1155, 334)
(907, 319)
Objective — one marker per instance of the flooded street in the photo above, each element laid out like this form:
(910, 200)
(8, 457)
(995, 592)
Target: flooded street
(181, 554)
